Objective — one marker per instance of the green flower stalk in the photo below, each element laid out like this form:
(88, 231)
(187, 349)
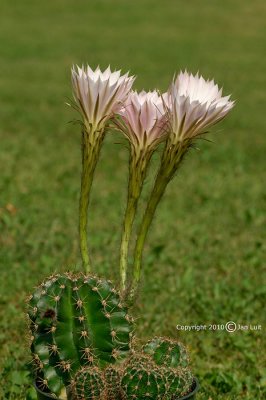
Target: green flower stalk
(142, 120)
(137, 171)
(98, 96)
(192, 105)
(165, 174)
(91, 147)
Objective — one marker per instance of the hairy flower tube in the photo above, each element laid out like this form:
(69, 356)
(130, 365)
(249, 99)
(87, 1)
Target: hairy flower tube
(192, 106)
(142, 120)
(98, 95)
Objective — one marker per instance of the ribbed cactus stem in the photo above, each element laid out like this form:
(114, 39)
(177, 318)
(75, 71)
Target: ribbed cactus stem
(91, 147)
(76, 321)
(142, 379)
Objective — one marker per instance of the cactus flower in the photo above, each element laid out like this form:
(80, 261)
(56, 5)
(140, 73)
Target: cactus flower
(193, 105)
(98, 95)
(142, 119)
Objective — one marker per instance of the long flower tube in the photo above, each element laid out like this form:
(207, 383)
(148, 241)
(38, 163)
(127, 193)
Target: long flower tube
(164, 176)
(138, 165)
(98, 95)
(193, 105)
(91, 147)
(142, 121)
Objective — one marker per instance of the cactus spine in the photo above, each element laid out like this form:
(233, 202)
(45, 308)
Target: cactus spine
(76, 320)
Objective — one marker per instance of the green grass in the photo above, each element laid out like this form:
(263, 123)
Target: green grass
(204, 256)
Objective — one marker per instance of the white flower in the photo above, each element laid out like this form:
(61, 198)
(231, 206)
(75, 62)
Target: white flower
(194, 105)
(143, 119)
(99, 94)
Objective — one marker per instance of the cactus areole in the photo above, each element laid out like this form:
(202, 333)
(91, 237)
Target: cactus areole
(76, 321)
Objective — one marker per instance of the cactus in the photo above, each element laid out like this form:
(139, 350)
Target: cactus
(112, 376)
(178, 382)
(91, 383)
(142, 379)
(138, 378)
(88, 384)
(187, 379)
(167, 352)
(76, 320)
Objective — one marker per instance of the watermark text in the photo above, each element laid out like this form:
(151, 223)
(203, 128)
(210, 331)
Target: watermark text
(229, 326)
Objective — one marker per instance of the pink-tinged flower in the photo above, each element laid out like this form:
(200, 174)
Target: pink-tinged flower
(99, 94)
(143, 119)
(194, 105)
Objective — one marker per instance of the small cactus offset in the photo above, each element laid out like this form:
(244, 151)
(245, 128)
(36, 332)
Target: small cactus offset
(167, 352)
(138, 378)
(88, 384)
(76, 321)
(142, 379)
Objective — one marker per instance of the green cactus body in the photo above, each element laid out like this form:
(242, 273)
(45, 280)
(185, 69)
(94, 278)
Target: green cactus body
(88, 384)
(76, 321)
(187, 380)
(112, 376)
(167, 352)
(142, 379)
(178, 382)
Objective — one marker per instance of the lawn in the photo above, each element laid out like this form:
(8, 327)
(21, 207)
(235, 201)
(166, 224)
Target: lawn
(203, 262)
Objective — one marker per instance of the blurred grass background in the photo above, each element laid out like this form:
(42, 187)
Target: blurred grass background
(204, 256)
